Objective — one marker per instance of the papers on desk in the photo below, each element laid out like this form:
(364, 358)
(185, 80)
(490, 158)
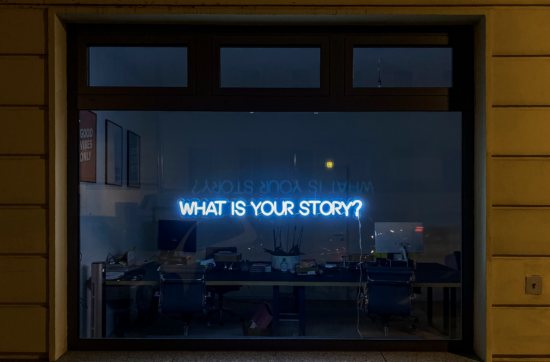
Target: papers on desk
(210, 262)
(113, 275)
(260, 268)
(227, 257)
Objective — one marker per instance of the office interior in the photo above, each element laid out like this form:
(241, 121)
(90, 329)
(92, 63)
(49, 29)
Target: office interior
(405, 167)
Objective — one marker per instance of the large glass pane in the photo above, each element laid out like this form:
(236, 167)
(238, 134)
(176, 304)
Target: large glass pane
(137, 66)
(322, 189)
(270, 67)
(402, 67)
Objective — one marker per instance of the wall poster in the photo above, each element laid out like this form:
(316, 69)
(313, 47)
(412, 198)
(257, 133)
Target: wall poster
(113, 153)
(87, 145)
(133, 162)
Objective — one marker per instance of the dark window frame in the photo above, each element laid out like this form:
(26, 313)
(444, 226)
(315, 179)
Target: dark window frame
(204, 98)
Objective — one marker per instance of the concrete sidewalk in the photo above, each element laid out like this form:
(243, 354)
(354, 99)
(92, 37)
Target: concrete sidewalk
(270, 356)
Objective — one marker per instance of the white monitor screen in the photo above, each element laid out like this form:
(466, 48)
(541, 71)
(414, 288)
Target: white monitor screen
(392, 236)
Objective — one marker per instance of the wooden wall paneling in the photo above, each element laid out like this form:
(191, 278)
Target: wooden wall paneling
(23, 31)
(520, 181)
(25, 329)
(521, 231)
(521, 131)
(23, 131)
(23, 180)
(23, 80)
(521, 331)
(509, 280)
(23, 230)
(521, 31)
(23, 279)
(521, 81)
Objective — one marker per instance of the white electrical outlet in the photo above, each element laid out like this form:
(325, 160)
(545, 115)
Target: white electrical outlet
(533, 285)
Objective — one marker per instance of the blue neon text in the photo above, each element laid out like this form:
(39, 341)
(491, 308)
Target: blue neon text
(206, 208)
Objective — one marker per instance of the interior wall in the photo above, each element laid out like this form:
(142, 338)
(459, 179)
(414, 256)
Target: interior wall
(412, 174)
(113, 218)
(407, 183)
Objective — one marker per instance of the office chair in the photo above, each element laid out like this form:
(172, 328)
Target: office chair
(221, 290)
(389, 294)
(183, 292)
(458, 257)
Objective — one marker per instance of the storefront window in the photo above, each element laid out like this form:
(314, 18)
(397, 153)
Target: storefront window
(276, 186)
(319, 188)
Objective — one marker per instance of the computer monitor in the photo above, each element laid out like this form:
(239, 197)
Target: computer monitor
(177, 235)
(392, 237)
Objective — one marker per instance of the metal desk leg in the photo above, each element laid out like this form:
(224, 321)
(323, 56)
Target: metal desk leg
(120, 300)
(430, 306)
(453, 314)
(296, 292)
(276, 309)
(302, 310)
(446, 309)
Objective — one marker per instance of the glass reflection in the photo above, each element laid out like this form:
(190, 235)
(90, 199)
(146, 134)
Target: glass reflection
(216, 188)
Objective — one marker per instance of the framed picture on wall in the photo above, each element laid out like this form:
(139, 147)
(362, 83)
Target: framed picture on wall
(113, 153)
(133, 159)
(87, 122)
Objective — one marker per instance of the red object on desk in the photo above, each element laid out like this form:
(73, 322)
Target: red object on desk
(263, 316)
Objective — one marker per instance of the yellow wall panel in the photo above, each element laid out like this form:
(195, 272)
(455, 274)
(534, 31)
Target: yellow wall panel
(23, 131)
(521, 231)
(23, 31)
(521, 131)
(521, 81)
(359, 4)
(509, 280)
(23, 279)
(521, 330)
(23, 329)
(23, 231)
(23, 80)
(521, 31)
(520, 181)
(22, 181)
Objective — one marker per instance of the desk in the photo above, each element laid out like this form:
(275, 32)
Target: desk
(276, 279)
(429, 275)
(330, 278)
(434, 275)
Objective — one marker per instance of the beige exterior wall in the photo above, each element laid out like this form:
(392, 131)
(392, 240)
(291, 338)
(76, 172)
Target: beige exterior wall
(512, 155)
(24, 201)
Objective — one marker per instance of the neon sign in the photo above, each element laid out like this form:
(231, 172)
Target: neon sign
(209, 208)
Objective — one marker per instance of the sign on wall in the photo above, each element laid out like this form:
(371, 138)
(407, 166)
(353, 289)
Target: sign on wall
(87, 146)
(113, 153)
(272, 207)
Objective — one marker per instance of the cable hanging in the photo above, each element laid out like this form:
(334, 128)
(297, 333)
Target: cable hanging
(379, 79)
